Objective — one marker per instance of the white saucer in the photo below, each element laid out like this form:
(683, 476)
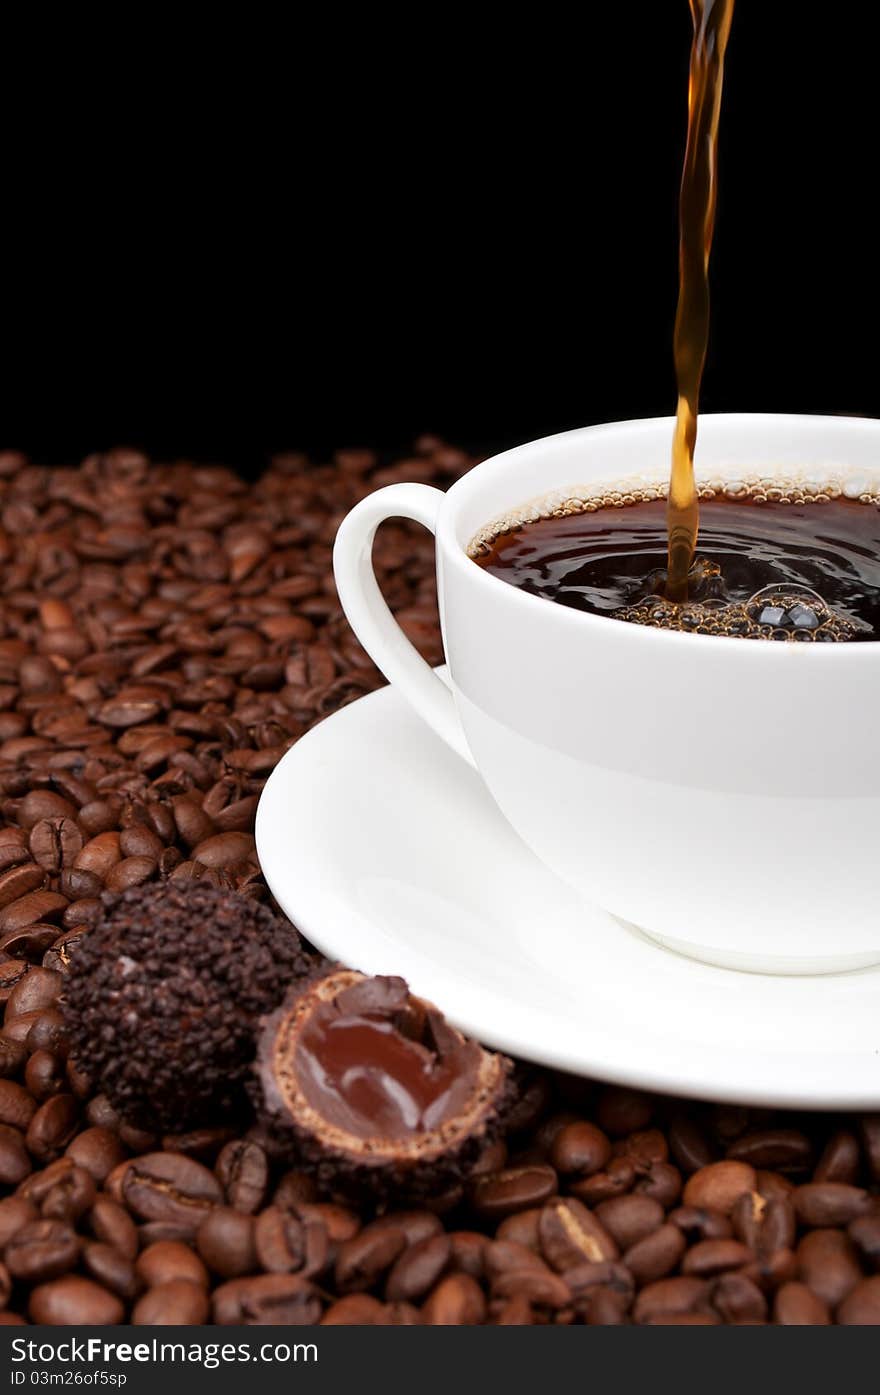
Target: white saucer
(390, 855)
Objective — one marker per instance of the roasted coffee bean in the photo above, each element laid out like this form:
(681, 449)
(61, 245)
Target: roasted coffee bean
(243, 1172)
(362, 1261)
(737, 1299)
(15, 1212)
(608, 1274)
(621, 1111)
(43, 804)
(502, 1255)
(457, 1301)
(689, 1146)
(12, 971)
(16, 1106)
(830, 1203)
(224, 850)
(655, 1255)
(355, 1310)
(44, 1075)
(18, 881)
(661, 1181)
(771, 1268)
(56, 843)
(225, 1241)
(42, 1031)
(522, 1228)
(135, 1139)
(13, 846)
(548, 1131)
(865, 1233)
(97, 1150)
(78, 885)
(580, 1149)
(30, 941)
(287, 1245)
(515, 1311)
(828, 1264)
(15, 1162)
(861, 1307)
(413, 1225)
(605, 1308)
(113, 1225)
(540, 1286)
(98, 816)
(52, 1127)
(129, 872)
(137, 840)
(112, 1269)
(764, 1225)
(169, 1260)
(700, 1223)
(162, 1232)
(13, 1055)
(670, 1298)
(38, 990)
(172, 1188)
(840, 1159)
(513, 1189)
(340, 1223)
(27, 910)
(711, 1257)
(416, 1271)
(570, 1235)
(74, 1301)
(646, 1147)
(177, 1302)
(402, 1315)
(795, 1305)
(100, 854)
(630, 1218)
(267, 1300)
(785, 1150)
(468, 1252)
(719, 1185)
(41, 1250)
(618, 1178)
(71, 1193)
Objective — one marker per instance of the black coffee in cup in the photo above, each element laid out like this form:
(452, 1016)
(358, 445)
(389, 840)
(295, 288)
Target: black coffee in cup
(777, 560)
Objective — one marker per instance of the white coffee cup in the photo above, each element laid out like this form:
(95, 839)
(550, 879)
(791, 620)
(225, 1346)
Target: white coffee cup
(721, 795)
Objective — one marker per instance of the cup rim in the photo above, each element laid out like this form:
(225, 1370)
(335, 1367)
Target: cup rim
(454, 553)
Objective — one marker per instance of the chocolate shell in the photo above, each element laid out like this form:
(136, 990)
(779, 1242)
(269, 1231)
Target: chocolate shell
(373, 1091)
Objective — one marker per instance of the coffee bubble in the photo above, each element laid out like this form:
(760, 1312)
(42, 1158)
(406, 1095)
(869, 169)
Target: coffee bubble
(783, 612)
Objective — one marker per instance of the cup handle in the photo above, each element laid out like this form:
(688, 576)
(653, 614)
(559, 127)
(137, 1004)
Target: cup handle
(368, 614)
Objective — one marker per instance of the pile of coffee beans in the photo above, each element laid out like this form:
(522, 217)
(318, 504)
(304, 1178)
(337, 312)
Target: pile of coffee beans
(166, 633)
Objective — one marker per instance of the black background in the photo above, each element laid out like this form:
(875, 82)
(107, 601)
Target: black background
(222, 244)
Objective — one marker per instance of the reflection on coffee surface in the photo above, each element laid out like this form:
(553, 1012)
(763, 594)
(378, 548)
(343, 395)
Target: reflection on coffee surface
(803, 570)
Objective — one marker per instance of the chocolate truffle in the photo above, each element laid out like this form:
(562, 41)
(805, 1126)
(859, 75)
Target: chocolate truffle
(371, 1089)
(163, 996)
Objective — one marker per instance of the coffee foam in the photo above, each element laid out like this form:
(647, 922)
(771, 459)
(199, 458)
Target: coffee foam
(808, 486)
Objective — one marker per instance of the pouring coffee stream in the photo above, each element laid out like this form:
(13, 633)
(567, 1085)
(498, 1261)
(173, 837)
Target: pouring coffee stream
(712, 19)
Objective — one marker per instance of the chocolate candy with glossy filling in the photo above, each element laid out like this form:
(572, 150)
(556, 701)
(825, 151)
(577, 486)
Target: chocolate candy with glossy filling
(372, 1088)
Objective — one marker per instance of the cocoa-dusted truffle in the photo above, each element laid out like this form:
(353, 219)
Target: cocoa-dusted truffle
(373, 1090)
(162, 999)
